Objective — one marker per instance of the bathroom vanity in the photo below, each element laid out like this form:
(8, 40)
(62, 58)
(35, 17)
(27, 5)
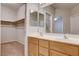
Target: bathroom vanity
(54, 20)
(47, 46)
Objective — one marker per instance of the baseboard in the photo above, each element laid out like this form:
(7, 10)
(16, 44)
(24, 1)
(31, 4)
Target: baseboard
(20, 42)
(8, 42)
(11, 42)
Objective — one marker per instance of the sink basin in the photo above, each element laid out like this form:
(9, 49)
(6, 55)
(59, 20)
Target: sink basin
(72, 37)
(57, 36)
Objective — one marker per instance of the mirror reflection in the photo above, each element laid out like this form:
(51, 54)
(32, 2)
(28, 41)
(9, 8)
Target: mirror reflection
(55, 18)
(41, 19)
(33, 18)
(61, 18)
(48, 23)
(58, 24)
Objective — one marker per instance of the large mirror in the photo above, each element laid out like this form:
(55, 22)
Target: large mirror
(41, 19)
(33, 18)
(36, 21)
(48, 23)
(55, 18)
(61, 18)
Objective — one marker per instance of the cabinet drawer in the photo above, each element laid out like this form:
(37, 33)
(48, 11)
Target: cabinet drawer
(32, 49)
(64, 48)
(33, 40)
(43, 51)
(55, 53)
(44, 43)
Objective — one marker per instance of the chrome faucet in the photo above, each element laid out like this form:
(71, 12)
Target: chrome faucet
(41, 34)
(65, 36)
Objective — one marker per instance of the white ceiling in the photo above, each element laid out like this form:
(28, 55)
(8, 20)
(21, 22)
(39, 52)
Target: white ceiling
(14, 6)
(64, 5)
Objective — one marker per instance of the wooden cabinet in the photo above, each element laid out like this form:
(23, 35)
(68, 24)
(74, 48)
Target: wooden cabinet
(44, 43)
(56, 53)
(64, 48)
(42, 47)
(32, 46)
(33, 49)
(33, 40)
(43, 51)
(41, 55)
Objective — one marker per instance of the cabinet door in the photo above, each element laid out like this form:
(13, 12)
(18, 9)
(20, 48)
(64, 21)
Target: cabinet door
(32, 49)
(64, 48)
(44, 43)
(55, 53)
(43, 51)
(33, 40)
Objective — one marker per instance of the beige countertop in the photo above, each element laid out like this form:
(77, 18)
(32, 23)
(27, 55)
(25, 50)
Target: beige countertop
(45, 37)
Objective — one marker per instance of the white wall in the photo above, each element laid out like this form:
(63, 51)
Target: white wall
(11, 33)
(0, 11)
(20, 35)
(33, 6)
(20, 27)
(74, 24)
(74, 20)
(0, 23)
(8, 14)
(20, 32)
(21, 13)
(8, 33)
(75, 10)
(0, 29)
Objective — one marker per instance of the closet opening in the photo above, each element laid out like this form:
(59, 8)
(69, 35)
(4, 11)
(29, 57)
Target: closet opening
(12, 29)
